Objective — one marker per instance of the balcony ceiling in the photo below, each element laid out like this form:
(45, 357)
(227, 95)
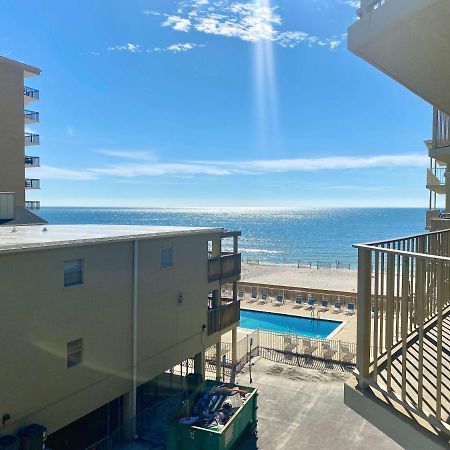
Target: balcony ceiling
(409, 40)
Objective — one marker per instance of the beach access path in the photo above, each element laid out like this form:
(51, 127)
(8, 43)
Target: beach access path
(303, 277)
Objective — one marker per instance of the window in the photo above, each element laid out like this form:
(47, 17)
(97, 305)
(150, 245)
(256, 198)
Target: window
(74, 353)
(167, 257)
(73, 272)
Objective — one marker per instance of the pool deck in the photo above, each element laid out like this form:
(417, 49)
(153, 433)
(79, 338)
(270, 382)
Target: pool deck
(346, 333)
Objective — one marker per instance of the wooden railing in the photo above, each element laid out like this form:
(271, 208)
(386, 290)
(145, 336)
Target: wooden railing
(224, 267)
(223, 317)
(404, 295)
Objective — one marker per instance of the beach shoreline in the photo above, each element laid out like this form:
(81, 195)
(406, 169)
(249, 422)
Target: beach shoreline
(300, 277)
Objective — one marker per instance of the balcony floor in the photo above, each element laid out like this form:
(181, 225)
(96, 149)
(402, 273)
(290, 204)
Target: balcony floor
(429, 381)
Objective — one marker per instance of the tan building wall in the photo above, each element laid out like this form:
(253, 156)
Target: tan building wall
(12, 169)
(40, 316)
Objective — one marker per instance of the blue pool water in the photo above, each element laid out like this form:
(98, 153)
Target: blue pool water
(281, 323)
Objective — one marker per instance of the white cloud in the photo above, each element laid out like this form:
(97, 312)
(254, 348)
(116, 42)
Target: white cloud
(353, 3)
(57, 173)
(247, 21)
(129, 154)
(177, 23)
(149, 12)
(261, 167)
(70, 131)
(177, 48)
(131, 48)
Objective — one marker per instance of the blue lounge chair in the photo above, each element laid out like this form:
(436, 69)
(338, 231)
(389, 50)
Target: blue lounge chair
(279, 300)
(298, 301)
(254, 296)
(263, 299)
(311, 302)
(324, 305)
(337, 308)
(350, 309)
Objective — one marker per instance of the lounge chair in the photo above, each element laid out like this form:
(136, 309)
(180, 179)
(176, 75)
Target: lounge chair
(254, 296)
(241, 295)
(350, 309)
(337, 308)
(263, 299)
(279, 300)
(328, 351)
(347, 354)
(311, 302)
(309, 347)
(298, 301)
(289, 342)
(324, 305)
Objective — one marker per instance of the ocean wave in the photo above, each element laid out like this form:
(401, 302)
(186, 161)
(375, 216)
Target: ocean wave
(257, 250)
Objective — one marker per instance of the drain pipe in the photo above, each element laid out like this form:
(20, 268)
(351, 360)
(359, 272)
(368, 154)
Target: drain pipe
(134, 330)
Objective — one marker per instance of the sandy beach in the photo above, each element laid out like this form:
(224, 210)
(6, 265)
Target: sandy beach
(304, 277)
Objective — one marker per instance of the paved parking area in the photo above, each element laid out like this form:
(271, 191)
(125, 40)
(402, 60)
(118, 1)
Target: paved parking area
(302, 408)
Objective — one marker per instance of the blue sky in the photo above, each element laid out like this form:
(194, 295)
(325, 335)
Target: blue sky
(220, 103)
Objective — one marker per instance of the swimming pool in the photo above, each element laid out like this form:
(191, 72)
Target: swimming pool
(282, 323)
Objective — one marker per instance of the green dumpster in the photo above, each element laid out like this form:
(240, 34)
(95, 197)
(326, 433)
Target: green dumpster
(242, 422)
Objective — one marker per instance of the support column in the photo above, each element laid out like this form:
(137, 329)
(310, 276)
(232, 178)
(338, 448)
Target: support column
(218, 359)
(199, 364)
(234, 346)
(447, 190)
(363, 312)
(128, 415)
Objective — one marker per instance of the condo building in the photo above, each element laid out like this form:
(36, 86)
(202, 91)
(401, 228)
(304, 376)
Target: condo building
(90, 314)
(18, 143)
(403, 366)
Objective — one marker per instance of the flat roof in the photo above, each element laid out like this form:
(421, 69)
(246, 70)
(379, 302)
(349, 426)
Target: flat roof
(29, 71)
(20, 238)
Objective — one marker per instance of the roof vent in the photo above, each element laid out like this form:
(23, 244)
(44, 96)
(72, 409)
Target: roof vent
(44, 229)
(14, 230)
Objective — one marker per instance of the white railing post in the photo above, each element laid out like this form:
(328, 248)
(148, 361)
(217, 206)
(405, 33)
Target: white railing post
(363, 315)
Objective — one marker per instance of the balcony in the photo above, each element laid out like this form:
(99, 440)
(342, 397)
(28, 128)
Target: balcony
(30, 95)
(31, 139)
(225, 267)
(32, 161)
(33, 205)
(32, 183)
(403, 358)
(223, 317)
(31, 117)
(408, 41)
(436, 179)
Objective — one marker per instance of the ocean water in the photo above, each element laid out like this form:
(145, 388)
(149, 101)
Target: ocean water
(282, 323)
(269, 235)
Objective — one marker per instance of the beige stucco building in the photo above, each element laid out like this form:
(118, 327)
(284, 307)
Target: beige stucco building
(17, 115)
(403, 366)
(90, 313)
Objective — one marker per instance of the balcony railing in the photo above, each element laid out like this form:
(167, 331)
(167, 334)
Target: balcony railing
(223, 317)
(31, 116)
(30, 92)
(33, 205)
(32, 183)
(404, 324)
(31, 139)
(441, 129)
(224, 267)
(32, 161)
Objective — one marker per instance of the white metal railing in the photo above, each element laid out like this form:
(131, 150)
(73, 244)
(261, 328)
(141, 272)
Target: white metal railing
(441, 128)
(31, 139)
(32, 183)
(33, 205)
(31, 92)
(32, 161)
(404, 294)
(368, 6)
(439, 173)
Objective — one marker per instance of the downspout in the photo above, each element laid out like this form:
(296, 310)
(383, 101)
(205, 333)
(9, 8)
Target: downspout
(135, 329)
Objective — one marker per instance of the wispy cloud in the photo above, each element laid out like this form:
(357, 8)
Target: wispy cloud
(248, 21)
(353, 3)
(180, 47)
(129, 154)
(131, 48)
(57, 173)
(149, 166)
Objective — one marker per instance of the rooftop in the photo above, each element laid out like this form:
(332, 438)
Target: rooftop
(13, 239)
(28, 71)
